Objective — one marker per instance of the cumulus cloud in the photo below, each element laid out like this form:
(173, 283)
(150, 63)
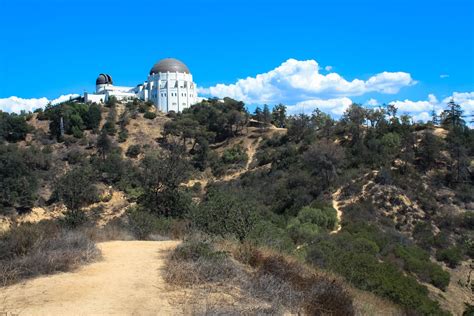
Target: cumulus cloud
(421, 110)
(335, 106)
(16, 104)
(328, 68)
(372, 102)
(295, 81)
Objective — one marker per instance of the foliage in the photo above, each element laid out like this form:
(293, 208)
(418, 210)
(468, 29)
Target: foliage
(133, 151)
(13, 127)
(225, 215)
(19, 173)
(161, 176)
(76, 188)
(149, 115)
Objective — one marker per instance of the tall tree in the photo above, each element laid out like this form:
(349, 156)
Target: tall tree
(279, 115)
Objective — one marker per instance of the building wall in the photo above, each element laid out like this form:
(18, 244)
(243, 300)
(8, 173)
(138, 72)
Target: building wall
(172, 91)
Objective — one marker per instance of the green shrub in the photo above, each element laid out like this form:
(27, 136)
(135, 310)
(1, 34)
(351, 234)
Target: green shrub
(74, 218)
(451, 256)
(123, 135)
(224, 214)
(418, 262)
(133, 151)
(235, 155)
(149, 115)
(267, 234)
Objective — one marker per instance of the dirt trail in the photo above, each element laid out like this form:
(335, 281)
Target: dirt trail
(126, 282)
(335, 205)
(251, 150)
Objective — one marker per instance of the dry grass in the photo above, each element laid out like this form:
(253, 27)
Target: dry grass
(30, 250)
(247, 280)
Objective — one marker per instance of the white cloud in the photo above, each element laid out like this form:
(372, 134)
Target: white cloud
(372, 102)
(421, 110)
(328, 68)
(16, 104)
(443, 76)
(296, 81)
(332, 106)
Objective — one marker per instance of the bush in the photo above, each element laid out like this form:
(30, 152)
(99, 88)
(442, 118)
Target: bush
(224, 214)
(149, 115)
(451, 256)
(418, 262)
(235, 155)
(354, 256)
(30, 250)
(310, 221)
(197, 262)
(74, 218)
(133, 151)
(267, 234)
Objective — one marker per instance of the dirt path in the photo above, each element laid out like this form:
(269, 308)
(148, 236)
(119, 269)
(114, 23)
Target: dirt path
(251, 150)
(126, 282)
(335, 205)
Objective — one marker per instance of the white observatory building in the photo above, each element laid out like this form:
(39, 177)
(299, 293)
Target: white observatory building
(169, 86)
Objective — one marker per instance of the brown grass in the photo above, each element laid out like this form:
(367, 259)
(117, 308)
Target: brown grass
(30, 250)
(266, 282)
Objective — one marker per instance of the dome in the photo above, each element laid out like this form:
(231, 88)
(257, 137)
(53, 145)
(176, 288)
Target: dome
(104, 79)
(169, 65)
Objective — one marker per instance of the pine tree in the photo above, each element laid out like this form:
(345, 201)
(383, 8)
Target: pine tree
(452, 116)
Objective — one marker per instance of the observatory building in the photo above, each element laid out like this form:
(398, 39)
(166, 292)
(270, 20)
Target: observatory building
(169, 86)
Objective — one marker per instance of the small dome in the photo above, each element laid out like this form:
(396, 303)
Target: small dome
(169, 65)
(104, 79)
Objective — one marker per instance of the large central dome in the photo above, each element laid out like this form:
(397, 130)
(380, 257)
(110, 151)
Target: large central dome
(169, 65)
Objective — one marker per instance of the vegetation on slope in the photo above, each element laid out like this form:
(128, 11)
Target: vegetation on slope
(406, 193)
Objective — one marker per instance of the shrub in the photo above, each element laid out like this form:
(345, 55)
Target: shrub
(74, 218)
(235, 155)
(267, 234)
(133, 151)
(417, 261)
(224, 214)
(197, 262)
(451, 256)
(75, 156)
(149, 115)
(30, 250)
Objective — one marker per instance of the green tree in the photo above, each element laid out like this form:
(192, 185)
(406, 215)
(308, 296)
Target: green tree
(161, 176)
(279, 115)
(93, 116)
(452, 116)
(76, 188)
(104, 144)
(224, 214)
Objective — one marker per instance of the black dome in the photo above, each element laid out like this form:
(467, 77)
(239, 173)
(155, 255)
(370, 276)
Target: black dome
(104, 79)
(169, 65)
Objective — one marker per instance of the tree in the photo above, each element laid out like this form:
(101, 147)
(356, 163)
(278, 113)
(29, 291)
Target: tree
(279, 115)
(18, 182)
(13, 127)
(76, 188)
(428, 152)
(224, 214)
(323, 159)
(258, 114)
(266, 115)
(161, 176)
(93, 116)
(452, 116)
(104, 144)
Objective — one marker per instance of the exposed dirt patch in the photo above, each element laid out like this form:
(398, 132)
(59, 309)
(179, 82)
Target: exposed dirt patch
(127, 282)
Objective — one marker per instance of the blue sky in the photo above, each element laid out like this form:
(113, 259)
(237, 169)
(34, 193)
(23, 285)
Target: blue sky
(54, 47)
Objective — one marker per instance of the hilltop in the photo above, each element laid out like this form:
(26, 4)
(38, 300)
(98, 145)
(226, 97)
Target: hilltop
(370, 203)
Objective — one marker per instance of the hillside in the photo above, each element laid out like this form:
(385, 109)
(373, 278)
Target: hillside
(372, 202)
